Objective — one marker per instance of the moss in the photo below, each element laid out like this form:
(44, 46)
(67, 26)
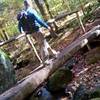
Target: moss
(59, 79)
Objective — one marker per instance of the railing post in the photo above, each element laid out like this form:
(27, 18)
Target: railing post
(5, 34)
(83, 28)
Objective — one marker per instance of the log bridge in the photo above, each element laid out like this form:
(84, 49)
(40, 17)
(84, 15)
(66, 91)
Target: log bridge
(25, 87)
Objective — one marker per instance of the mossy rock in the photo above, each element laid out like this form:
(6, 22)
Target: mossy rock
(93, 56)
(7, 74)
(59, 79)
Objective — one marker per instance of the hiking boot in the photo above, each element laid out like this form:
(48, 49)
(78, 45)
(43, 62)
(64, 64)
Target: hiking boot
(57, 54)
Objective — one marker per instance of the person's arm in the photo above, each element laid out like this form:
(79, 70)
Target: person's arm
(38, 19)
(20, 28)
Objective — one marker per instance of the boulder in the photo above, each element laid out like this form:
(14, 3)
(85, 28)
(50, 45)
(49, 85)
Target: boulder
(7, 74)
(42, 94)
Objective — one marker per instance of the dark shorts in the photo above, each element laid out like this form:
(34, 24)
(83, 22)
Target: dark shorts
(36, 29)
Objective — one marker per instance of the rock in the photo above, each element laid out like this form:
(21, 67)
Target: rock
(59, 80)
(42, 94)
(93, 56)
(70, 63)
(83, 94)
(7, 74)
(80, 93)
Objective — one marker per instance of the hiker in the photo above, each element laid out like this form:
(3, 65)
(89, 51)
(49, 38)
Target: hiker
(29, 23)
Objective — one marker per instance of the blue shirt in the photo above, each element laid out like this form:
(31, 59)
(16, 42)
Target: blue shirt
(34, 17)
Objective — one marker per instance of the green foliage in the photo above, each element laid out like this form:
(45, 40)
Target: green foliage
(12, 29)
(89, 12)
(8, 11)
(57, 6)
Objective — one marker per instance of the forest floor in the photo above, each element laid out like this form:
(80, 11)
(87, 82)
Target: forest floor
(86, 71)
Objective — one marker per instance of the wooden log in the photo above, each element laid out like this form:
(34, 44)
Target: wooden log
(60, 16)
(26, 87)
(12, 39)
(65, 14)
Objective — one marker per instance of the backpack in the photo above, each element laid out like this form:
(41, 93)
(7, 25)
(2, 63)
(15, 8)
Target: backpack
(27, 23)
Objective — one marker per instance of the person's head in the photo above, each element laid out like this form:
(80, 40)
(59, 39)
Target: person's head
(27, 3)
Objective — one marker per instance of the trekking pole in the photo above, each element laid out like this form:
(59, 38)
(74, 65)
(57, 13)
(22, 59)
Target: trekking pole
(33, 47)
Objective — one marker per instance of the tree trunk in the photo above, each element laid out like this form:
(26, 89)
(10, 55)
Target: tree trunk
(53, 34)
(41, 5)
(31, 82)
(48, 8)
(44, 9)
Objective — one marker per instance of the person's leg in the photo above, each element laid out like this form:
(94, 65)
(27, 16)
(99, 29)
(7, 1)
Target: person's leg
(30, 41)
(43, 50)
(47, 48)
